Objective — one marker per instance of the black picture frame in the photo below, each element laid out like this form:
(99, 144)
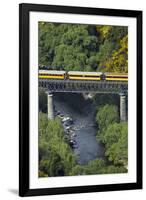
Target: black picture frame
(24, 105)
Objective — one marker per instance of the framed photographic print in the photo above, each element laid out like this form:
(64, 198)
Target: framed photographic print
(80, 99)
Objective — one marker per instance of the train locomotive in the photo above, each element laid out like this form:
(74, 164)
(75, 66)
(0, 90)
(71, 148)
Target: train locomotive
(78, 75)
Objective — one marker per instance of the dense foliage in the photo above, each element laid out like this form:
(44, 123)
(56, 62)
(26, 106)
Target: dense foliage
(97, 166)
(115, 139)
(113, 134)
(83, 47)
(106, 115)
(55, 156)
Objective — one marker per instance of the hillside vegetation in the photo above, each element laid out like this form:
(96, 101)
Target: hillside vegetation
(83, 47)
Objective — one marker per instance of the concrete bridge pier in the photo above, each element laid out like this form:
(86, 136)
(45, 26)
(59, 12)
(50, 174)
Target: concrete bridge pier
(123, 116)
(50, 106)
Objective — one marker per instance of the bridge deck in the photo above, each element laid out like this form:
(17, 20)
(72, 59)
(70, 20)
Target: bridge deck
(80, 86)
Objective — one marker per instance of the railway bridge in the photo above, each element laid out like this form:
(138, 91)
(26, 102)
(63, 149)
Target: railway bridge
(83, 86)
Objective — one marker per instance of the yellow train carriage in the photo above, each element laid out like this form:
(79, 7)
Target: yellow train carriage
(78, 75)
(116, 76)
(51, 74)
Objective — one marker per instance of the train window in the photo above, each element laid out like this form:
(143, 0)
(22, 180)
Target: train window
(84, 75)
(92, 76)
(116, 76)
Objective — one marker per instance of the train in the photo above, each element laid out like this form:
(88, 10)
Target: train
(79, 75)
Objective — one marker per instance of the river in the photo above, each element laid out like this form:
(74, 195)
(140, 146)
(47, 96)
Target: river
(82, 111)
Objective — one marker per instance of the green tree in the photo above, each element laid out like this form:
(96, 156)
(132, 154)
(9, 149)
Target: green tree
(67, 45)
(116, 143)
(55, 155)
(111, 169)
(113, 135)
(97, 166)
(107, 115)
(105, 51)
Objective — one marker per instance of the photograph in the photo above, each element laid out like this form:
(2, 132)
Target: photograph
(80, 99)
(83, 99)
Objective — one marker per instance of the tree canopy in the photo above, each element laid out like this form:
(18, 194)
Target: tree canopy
(107, 114)
(55, 156)
(83, 47)
(113, 134)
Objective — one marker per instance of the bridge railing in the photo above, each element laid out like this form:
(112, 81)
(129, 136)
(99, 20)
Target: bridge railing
(84, 86)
